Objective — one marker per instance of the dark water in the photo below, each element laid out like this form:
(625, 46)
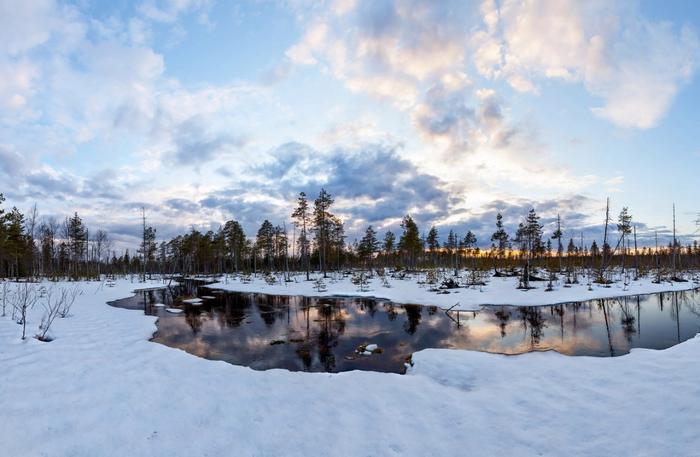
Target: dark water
(322, 334)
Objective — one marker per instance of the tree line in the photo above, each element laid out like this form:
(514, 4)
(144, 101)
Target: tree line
(34, 246)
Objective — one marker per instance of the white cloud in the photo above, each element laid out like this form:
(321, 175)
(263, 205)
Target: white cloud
(170, 10)
(635, 66)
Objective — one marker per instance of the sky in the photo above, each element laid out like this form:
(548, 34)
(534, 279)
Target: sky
(202, 111)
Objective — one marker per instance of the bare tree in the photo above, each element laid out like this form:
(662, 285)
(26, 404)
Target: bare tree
(31, 229)
(6, 296)
(101, 245)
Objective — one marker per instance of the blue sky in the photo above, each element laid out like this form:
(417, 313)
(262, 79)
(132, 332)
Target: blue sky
(203, 111)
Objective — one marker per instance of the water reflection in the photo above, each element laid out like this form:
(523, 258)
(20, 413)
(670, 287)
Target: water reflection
(322, 334)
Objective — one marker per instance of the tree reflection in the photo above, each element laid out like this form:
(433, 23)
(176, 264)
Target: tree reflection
(531, 316)
(559, 311)
(390, 311)
(413, 317)
(627, 320)
(194, 320)
(503, 317)
(602, 305)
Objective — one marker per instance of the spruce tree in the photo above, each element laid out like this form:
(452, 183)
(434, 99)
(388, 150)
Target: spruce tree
(368, 245)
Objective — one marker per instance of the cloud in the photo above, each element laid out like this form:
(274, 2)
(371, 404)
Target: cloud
(634, 65)
(11, 162)
(417, 56)
(276, 74)
(195, 144)
(169, 10)
(371, 184)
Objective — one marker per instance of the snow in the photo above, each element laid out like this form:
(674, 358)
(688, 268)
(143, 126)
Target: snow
(371, 347)
(498, 291)
(193, 301)
(173, 310)
(101, 388)
(159, 305)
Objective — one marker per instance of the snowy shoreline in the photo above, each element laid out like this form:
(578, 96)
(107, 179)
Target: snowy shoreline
(139, 398)
(498, 291)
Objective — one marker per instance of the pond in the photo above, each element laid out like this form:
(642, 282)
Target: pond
(323, 334)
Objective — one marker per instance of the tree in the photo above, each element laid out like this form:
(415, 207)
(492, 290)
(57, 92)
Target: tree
(451, 249)
(410, 243)
(75, 234)
(389, 244)
(102, 245)
(557, 236)
(235, 242)
(337, 238)
(302, 219)
(469, 243)
(265, 241)
(624, 226)
(16, 242)
(433, 242)
(571, 252)
(368, 245)
(148, 249)
(47, 237)
(530, 238)
(323, 220)
(501, 238)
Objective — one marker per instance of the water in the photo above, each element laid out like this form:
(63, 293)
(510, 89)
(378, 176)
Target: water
(323, 334)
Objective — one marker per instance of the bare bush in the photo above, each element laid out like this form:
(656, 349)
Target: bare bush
(25, 297)
(68, 297)
(53, 304)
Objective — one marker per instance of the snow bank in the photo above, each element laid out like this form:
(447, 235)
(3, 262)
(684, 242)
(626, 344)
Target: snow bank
(102, 389)
(497, 291)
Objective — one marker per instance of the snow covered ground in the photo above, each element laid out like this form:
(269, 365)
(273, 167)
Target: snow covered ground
(497, 291)
(102, 389)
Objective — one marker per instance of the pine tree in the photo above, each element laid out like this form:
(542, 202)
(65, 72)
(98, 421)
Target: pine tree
(624, 226)
(389, 244)
(557, 235)
(323, 220)
(302, 219)
(235, 242)
(15, 241)
(148, 249)
(410, 243)
(433, 243)
(337, 238)
(469, 243)
(501, 238)
(451, 248)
